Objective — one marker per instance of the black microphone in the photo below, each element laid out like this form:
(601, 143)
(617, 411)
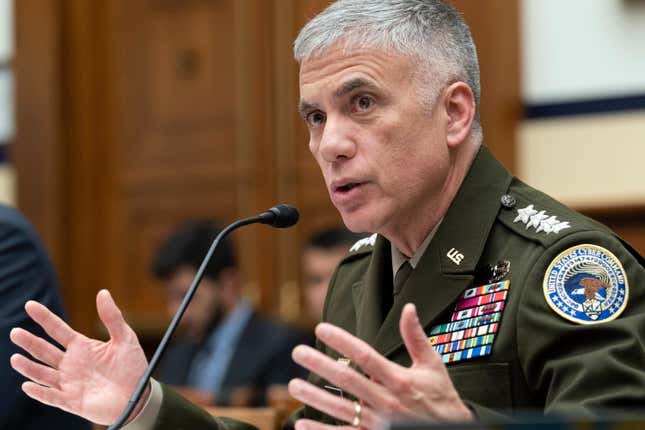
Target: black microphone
(280, 216)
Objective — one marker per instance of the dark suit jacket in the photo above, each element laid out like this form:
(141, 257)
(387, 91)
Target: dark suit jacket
(262, 357)
(25, 273)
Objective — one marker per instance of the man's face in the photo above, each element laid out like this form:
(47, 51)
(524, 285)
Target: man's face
(382, 151)
(318, 265)
(203, 309)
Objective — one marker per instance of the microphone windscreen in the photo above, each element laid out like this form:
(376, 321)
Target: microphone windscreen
(280, 216)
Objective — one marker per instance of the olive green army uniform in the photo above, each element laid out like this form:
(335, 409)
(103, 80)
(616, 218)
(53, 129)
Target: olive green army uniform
(538, 360)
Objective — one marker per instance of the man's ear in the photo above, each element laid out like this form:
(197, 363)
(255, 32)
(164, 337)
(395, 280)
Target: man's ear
(459, 103)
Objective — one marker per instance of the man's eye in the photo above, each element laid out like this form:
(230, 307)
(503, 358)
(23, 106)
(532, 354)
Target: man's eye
(363, 103)
(315, 118)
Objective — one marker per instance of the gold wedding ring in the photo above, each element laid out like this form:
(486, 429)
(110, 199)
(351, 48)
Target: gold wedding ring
(357, 414)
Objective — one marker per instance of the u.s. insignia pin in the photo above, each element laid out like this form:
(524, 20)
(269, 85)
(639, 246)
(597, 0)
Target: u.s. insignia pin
(586, 284)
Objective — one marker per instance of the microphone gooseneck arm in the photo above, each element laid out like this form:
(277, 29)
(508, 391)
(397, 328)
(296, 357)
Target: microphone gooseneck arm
(278, 216)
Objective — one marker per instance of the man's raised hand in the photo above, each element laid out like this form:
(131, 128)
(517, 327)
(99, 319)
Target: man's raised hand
(422, 391)
(88, 377)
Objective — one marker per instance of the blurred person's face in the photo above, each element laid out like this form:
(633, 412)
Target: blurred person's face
(318, 267)
(205, 308)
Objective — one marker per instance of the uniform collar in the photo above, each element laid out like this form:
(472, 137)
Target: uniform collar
(398, 258)
(471, 215)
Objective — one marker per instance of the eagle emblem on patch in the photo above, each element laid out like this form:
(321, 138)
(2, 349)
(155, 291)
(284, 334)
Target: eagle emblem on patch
(586, 284)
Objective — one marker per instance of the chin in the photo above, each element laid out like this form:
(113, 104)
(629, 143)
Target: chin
(359, 221)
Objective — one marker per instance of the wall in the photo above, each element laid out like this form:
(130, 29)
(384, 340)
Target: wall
(580, 49)
(583, 139)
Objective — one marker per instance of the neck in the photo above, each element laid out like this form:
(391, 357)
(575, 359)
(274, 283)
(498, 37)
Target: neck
(408, 235)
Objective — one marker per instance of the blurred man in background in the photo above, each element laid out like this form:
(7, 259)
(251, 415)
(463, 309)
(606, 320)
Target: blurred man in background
(321, 254)
(25, 274)
(224, 347)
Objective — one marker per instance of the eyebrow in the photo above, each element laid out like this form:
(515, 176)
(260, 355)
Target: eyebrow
(351, 85)
(344, 89)
(304, 107)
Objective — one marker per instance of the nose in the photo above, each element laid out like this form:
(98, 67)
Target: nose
(337, 141)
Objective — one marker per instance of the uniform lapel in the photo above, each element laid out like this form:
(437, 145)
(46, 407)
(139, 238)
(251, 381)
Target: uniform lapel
(441, 274)
(368, 293)
(429, 289)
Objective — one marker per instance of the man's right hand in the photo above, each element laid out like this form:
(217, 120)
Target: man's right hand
(89, 378)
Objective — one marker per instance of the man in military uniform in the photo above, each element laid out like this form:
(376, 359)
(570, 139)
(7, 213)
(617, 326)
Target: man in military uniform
(476, 297)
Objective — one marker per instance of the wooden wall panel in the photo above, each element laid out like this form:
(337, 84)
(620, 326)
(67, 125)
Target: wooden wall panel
(177, 103)
(174, 154)
(38, 151)
(494, 25)
(255, 144)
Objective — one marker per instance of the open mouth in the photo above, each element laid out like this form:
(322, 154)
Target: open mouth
(347, 187)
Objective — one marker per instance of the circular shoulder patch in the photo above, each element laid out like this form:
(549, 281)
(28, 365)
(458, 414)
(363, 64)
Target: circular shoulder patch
(586, 284)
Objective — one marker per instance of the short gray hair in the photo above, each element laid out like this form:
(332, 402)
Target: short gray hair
(429, 31)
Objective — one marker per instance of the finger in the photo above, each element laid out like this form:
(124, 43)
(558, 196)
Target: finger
(51, 323)
(37, 372)
(111, 316)
(47, 395)
(334, 406)
(415, 339)
(359, 352)
(343, 376)
(37, 347)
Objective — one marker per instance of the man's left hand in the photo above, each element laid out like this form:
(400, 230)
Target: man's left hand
(422, 391)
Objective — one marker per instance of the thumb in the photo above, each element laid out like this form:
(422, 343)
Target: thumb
(111, 317)
(416, 340)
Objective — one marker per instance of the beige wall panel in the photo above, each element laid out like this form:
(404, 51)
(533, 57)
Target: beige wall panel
(586, 162)
(7, 185)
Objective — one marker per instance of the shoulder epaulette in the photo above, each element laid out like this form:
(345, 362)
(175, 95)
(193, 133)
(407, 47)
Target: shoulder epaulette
(539, 217)
(363, 247)
(364, 244)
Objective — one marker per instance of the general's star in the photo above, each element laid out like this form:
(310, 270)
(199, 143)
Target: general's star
(537, 219)
(524, 214)
(561, 226)
(548, 224)
(366, 241)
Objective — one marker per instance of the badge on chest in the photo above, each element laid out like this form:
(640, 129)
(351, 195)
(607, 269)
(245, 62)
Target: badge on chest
(473, 324)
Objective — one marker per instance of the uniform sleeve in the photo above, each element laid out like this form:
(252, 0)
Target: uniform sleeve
(178, 413)
(487, 415)
(584, 369)
(146, 418)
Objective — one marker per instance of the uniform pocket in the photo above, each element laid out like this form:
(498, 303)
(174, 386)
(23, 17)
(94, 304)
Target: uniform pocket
(487, 384)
